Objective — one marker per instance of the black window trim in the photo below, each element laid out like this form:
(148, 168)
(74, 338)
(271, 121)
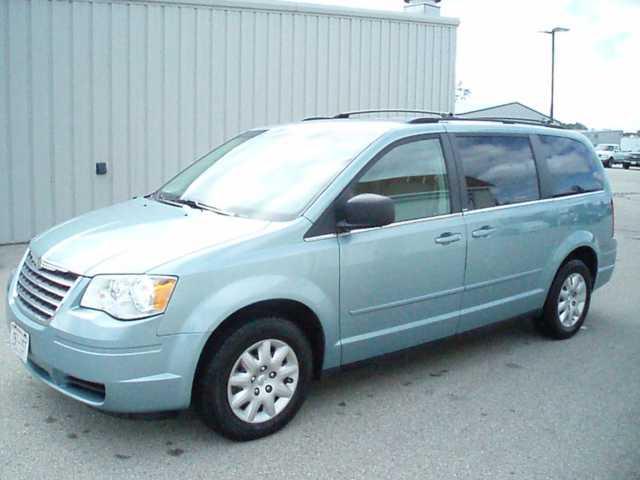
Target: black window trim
(326, 223)
(461, 177)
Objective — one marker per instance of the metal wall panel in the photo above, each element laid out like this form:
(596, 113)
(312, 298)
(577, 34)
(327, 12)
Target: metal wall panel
(149, 86)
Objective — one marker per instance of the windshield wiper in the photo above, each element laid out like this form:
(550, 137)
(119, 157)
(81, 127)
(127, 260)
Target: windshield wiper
(179, 202)
(163, 198)
(204, 206)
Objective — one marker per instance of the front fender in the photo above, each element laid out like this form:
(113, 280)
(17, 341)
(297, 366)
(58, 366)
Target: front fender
(213, 309)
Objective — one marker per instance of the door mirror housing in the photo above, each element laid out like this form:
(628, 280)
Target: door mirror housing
(367, 210)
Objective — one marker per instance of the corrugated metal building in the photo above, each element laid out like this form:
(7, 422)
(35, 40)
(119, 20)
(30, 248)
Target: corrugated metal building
(148, 86)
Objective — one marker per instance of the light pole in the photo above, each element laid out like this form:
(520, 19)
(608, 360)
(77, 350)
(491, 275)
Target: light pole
(553, 32)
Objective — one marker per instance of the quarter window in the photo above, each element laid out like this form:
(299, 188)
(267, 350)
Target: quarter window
(498, 170)
(414, 176)
(571, 166)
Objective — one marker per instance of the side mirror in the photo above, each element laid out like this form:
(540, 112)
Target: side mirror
(367, 210)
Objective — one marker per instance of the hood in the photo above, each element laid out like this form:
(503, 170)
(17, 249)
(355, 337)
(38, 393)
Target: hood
(136, 236)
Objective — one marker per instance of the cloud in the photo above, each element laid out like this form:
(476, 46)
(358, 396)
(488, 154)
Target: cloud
(613, 46)
(502, 57)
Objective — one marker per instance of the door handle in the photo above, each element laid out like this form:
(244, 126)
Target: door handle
(483, 232)
(447, 238)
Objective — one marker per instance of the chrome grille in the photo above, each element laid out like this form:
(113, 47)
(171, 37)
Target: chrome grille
(41, 291)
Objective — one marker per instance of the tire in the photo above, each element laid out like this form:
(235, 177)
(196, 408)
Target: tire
(626, 165)
(260, 383)
(559, 323)
(607, 163)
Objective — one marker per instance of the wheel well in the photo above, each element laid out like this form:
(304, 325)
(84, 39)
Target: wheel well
(294, 311)
(588, 257)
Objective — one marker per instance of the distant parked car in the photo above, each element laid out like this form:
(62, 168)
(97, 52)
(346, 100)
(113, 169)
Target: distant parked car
(295, 249)
(610, 154)
(632, 159)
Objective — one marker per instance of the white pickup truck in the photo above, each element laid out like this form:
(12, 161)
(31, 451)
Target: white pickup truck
(611, 154)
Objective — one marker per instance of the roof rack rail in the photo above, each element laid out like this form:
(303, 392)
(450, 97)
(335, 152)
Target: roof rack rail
(310, 119)
(393, 110)
(343, 115)
(505, 120)
(437, 117)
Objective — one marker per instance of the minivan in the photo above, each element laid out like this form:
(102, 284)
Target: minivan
(293, 250)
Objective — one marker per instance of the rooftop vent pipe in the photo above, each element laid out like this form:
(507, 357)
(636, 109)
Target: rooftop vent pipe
(430, 8)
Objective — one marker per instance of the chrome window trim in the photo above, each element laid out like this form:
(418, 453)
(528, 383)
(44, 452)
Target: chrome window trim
(452, 215)
(321, 237)
(391, 225)
(532, 202)
(403, 223)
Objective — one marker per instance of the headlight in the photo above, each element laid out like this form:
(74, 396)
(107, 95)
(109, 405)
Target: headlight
(129, 297)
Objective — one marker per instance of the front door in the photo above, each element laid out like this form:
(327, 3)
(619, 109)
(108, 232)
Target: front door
(401, 285)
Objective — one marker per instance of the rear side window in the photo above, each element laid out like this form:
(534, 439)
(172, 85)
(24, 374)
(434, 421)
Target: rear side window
(571, 166)
(414, 176)
(498, 170)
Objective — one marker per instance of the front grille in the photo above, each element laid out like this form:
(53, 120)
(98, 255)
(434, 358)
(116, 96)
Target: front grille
(42, 290)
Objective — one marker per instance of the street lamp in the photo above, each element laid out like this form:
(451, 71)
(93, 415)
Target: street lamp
(553, 32)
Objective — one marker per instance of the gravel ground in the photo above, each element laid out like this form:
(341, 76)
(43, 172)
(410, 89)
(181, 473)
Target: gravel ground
(497, 403)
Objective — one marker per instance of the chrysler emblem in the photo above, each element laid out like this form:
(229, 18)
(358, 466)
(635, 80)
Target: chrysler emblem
(38, 262)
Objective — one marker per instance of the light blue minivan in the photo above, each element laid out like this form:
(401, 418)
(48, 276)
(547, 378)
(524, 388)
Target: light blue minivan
(296, 249)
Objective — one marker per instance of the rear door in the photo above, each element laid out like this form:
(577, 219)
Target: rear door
(401, 285)
(505, 225)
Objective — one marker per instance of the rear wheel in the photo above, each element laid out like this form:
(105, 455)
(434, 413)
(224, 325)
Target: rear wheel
(256, 381)
(626, 165)
(568, 301)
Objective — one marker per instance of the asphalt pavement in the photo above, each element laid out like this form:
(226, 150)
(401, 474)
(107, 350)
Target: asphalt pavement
(496, 403)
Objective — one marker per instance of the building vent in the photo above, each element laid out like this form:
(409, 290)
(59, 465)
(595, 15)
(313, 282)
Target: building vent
(423, 7)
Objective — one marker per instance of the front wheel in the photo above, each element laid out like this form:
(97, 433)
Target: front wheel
(568, 301)
(256, 381)
(607, 163)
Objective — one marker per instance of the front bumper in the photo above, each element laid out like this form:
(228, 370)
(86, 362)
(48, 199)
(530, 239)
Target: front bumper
(108, 364)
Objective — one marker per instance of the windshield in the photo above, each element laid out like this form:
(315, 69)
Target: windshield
(606, 148)
(272, 174)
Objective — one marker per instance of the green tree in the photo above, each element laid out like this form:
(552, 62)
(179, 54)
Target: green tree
(462, 93)
(576, 126)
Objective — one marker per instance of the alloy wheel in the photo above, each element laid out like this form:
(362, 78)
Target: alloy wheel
(572, 300)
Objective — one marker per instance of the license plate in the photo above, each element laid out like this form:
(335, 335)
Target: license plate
(19, 342)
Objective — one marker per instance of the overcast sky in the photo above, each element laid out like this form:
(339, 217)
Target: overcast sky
(503, 58)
